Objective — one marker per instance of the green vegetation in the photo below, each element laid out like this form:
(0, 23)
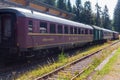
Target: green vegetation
(62, 57)
(107, 68)
(117, 17)
(61, 4)
(50, 2)
(69, 7)
(94, 64)
(32, 74)
(64, 76)
(97, 61)
(84, 13)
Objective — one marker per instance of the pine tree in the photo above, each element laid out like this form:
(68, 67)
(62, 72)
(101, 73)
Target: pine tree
(61, 4)
(105, 19)
(87, 13)
(117, 17)
(50, 2)
(69, 7)
(98, 19)
(79, 10)
(74, 9)
(78, 3)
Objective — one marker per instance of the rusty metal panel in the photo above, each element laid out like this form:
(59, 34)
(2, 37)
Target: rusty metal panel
(23, 2)
(37, 7)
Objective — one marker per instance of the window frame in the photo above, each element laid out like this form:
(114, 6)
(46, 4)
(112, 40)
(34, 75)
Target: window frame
(50, 28)
(30, 25)
(79, 30)
(82, 31)
(86, 31)
(59, 30)
(43, 27)
(75, 30)
(71, 30)
(91, 31)
(66, 31)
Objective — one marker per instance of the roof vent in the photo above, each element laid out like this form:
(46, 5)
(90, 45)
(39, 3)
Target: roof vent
(32, 11)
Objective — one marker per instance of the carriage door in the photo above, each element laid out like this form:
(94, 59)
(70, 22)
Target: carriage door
(6, 30)
(0, 31)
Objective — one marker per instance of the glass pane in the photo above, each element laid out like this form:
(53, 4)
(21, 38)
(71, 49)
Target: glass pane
(59, 28)
(79, 31)
(66, 29)
(30, 26)
(43, 27)
(86, 31)
(75, 30)
(71, 30)
(52, 28)
(7, 27)
(82, 31)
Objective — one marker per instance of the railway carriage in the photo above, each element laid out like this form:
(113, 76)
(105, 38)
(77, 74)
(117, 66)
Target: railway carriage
(7, 31)
(101, 34)
(24, 30)
(115, 35)
(107, 34)
(98, 33)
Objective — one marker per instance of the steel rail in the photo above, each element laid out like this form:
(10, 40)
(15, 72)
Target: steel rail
(50, 74)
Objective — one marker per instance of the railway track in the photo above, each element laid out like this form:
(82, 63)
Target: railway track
(13, 71)
(9, 72)
(74, 69)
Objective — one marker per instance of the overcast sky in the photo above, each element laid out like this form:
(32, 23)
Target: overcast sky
(110, 4)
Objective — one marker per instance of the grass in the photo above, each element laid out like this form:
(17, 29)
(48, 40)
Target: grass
(94, 64)
(62, 57)
(64, 76)
(107, 68)
(97, 61)
(32, 74)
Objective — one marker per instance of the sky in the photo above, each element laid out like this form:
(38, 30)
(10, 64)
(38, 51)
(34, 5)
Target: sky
(110, 4)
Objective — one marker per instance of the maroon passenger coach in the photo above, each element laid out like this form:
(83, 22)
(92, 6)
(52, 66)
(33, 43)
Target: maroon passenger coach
(24, 29)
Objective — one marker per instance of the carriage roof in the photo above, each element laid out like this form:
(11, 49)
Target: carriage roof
(38, 15)
(103, 29)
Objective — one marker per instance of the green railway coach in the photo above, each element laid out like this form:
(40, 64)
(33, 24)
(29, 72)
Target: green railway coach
(98, 33)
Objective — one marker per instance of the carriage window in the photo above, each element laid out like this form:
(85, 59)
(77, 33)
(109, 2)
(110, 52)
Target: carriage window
(43, 27)
(52, 28)
(91, 32)
(79, 31)
(86, 31)
(82, 31)
(71, 30)
(59, 28)
(75, 30)
(7, 27)
(30, 26)
(66, 29)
